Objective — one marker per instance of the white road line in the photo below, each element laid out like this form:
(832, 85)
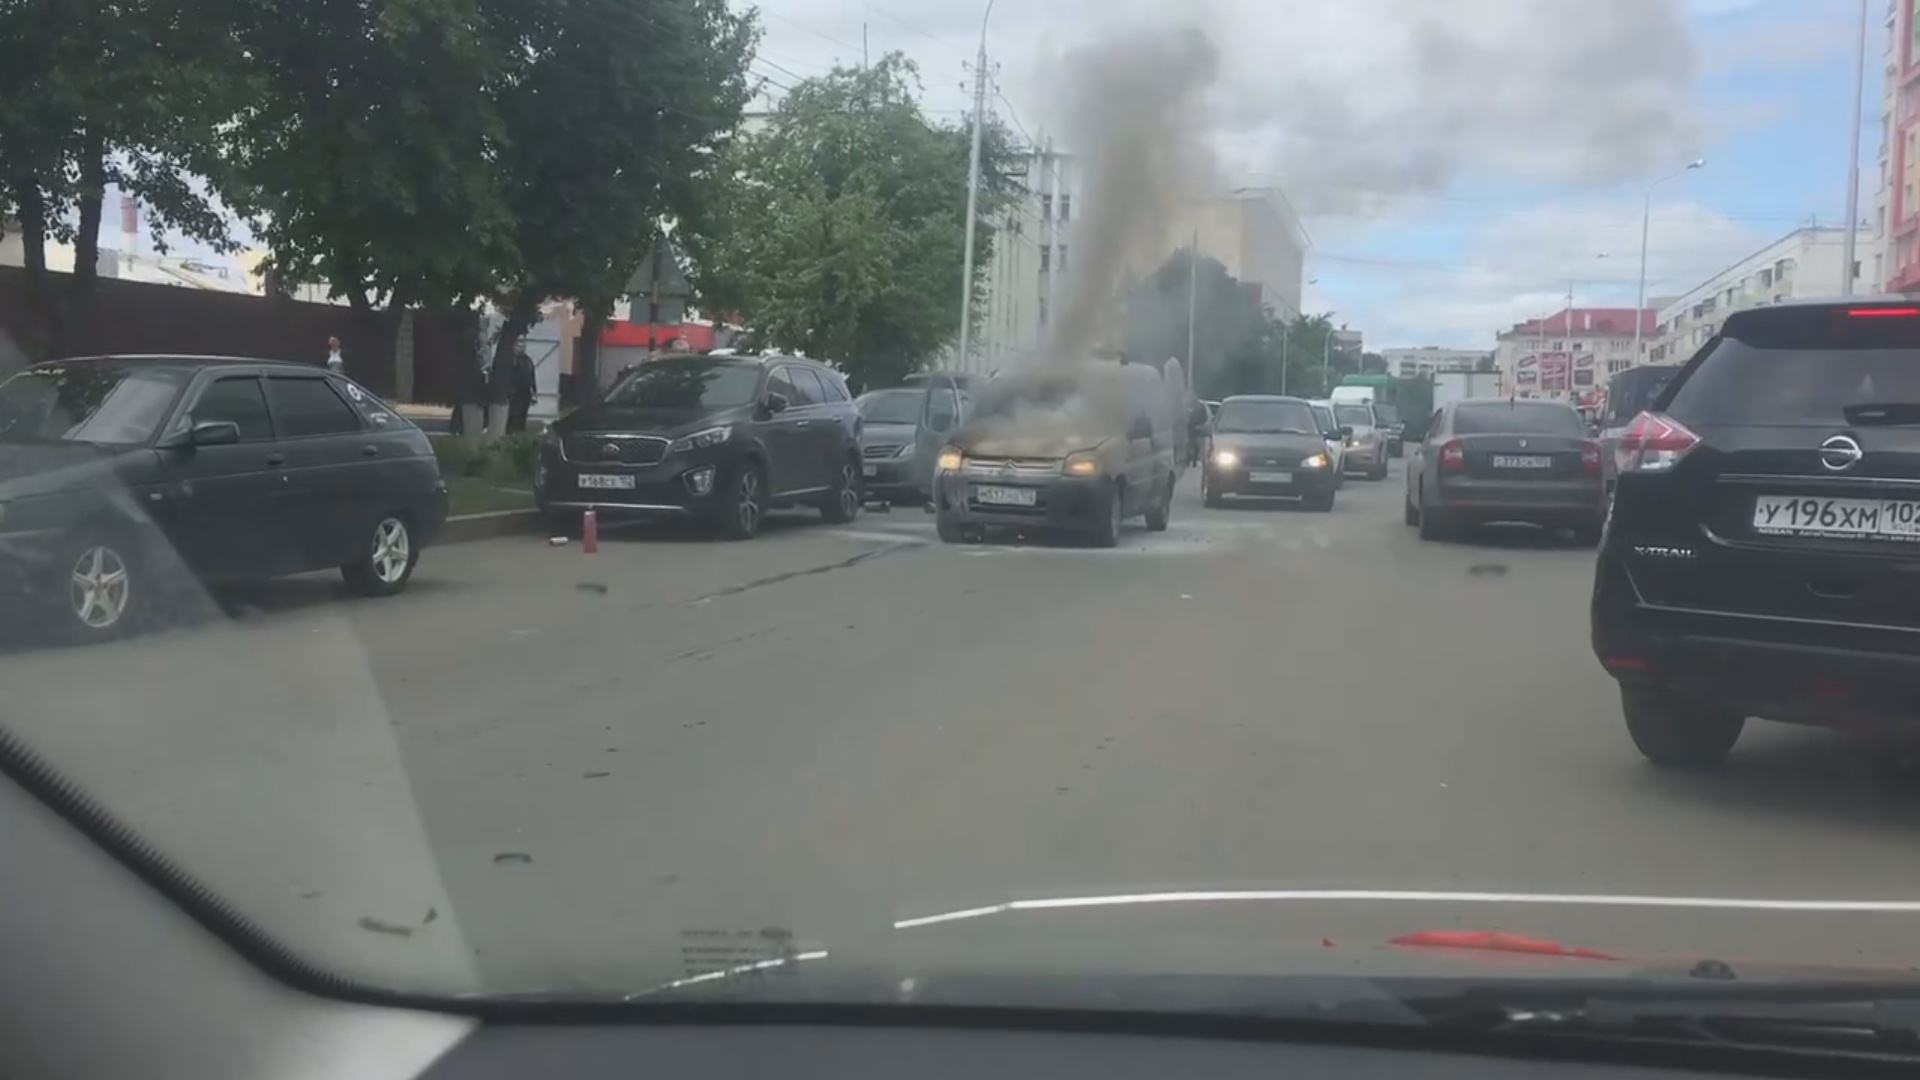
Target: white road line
(1393, 896)
(879, 537)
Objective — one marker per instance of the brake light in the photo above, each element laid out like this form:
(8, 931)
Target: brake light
(1590, 457)
(1884, 313)
(1453, 455)
(1653, 443)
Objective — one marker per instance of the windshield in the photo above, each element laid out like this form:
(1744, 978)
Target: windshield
(1354, 416)
(892, 406)
(518, 589)
(1266, 417)
(90, 403)
(686, 385)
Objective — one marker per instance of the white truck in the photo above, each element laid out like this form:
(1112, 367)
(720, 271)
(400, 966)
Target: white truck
(1451, 386)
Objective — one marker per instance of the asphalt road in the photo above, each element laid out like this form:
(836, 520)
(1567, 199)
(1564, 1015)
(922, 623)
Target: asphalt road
(541, 768)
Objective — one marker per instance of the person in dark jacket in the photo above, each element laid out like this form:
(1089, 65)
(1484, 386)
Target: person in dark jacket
(521, 390)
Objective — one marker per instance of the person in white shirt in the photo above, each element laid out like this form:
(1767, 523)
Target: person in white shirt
(335, 362)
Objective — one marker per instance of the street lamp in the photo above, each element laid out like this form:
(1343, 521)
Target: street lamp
(1646, 220)
(1848, 251)
(973, 189)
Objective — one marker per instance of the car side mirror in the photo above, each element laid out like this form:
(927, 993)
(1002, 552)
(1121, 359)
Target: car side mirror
(776, 403)
(214, 433)
(940, 422)
(1346, 431)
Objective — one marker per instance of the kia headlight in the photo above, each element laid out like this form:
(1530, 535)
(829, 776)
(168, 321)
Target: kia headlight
(700, 440)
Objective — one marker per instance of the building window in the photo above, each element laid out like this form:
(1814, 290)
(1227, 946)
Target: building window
(1043, 311)
(1063, 247)
(1066, 208)
(1046, 257)
(1046, 208)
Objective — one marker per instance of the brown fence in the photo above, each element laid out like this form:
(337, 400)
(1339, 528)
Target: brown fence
(137, 317)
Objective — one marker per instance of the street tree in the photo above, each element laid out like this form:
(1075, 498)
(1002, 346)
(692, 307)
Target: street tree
(839, 230)
(99, 94)
(619, 112)
(368, 160)
(1235, 343)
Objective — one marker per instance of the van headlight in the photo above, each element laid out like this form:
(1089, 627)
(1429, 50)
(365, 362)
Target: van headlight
(1317, 461)
(1082, 464)
(1226, 459)
(950, 459)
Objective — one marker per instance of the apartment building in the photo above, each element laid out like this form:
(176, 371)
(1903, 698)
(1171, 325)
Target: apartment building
(1567, 354)
(1803, 263)
(1433, 359)
(1896, 266)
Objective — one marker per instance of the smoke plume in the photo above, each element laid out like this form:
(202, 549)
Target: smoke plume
(1132, 109)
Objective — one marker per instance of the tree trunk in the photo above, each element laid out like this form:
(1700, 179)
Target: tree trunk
(586, 356)
(30, 206)
(83, 300)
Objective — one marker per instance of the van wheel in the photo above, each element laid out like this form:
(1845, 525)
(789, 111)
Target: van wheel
(386, 561)
(1409, 512)
(1209, 493)
(1107, 533)
(1160, 514)
(1675, 733)
(951, 531)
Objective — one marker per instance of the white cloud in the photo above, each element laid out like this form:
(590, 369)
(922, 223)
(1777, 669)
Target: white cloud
(1518, 265)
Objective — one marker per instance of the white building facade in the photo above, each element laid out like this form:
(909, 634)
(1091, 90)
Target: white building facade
(1433, 359)
(1804, 263)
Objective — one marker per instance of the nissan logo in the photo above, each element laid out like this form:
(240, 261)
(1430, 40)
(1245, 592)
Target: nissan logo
(611, 450)
(1840, 453)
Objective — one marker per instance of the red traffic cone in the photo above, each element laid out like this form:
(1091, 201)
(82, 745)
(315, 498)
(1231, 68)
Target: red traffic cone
(589, 533)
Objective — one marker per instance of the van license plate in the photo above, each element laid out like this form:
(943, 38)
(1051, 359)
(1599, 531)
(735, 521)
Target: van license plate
(1006, 496)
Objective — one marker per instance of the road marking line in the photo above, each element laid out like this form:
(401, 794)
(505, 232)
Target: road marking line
(1415, 896)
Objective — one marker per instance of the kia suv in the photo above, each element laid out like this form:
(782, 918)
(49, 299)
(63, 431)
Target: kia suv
(1761, 556)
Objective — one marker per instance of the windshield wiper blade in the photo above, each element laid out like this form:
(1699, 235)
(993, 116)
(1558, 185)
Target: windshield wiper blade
(1826, 1017)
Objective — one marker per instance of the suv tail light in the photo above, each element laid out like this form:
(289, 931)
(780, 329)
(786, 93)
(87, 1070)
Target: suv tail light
(1453, 455)
(1653, 443)
(1590, 457)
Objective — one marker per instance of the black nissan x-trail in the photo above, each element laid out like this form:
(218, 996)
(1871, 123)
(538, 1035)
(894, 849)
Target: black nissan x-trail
(1761, 556)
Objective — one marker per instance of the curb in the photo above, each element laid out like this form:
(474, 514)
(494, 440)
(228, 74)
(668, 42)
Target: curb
(467, 528)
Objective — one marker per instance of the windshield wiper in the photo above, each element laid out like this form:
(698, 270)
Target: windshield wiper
(1845, 1018)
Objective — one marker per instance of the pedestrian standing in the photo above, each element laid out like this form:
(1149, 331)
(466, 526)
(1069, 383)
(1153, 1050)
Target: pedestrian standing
(335, 362)
(521, 390)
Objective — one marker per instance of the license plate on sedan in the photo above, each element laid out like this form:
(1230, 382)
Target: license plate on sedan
(1871, 519)
(1006, 496)
(1259, 477)
(870, 470)
(606, 480)
(1521, 461)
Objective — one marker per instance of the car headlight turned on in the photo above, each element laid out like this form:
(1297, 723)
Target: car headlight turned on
(1080, 465)
(950, 459)
(713, 436)
(1226, 459)
(1317, 461)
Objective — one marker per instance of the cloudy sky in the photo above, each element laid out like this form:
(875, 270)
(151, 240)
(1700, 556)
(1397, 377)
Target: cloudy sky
(1458, 164)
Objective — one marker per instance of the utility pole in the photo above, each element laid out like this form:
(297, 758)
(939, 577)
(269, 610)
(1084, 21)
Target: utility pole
(1646, 221)
(973, 192)
(1848, 250)
(1284, 328)
(1193, 300)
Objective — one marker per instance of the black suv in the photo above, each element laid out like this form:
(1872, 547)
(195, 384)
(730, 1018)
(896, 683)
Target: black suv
(719, 439)
(1761, 556)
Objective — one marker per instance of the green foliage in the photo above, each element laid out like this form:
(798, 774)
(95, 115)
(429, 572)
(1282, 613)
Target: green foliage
(838, 231)
(1238, 347)
(123, 93)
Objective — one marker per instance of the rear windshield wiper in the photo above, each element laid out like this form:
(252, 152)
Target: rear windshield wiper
(1883, 414)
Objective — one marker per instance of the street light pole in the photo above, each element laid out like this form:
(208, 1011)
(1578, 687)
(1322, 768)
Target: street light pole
(1193, 301)
(1646, 221)
(973, 191)
(1848, 251)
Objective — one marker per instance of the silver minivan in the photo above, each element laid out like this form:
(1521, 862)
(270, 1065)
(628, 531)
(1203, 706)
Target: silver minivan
(1367, 443)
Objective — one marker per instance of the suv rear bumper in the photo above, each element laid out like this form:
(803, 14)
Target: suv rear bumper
(1797, 671)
